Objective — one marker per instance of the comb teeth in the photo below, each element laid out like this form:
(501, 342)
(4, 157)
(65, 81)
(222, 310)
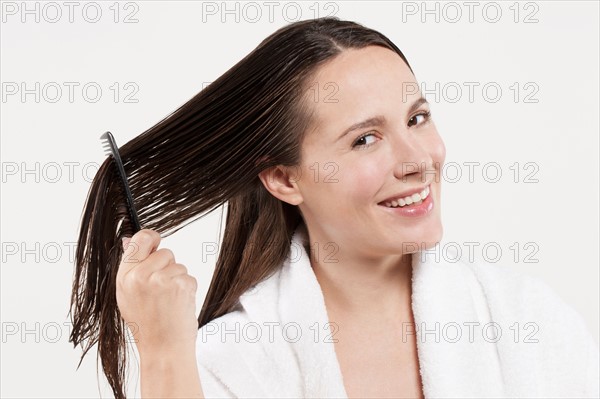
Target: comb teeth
(110, 148)
(104, 139)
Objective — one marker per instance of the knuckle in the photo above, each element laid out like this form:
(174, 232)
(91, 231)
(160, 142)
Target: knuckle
(180, 281)
(166, 254)
(179, 268)
(159, 278)
(185, 282)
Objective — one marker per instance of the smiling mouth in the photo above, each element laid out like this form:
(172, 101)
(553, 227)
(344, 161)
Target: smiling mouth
(410, 200)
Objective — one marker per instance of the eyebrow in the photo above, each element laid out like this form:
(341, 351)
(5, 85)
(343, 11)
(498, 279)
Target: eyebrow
(379, 119)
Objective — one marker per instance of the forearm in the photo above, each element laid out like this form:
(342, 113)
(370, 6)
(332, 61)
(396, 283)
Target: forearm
(170, 376)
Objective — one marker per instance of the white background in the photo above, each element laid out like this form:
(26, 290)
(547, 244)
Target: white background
(174, 48)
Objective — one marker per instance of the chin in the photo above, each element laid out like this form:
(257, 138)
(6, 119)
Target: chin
(426, 240)
(429, 244)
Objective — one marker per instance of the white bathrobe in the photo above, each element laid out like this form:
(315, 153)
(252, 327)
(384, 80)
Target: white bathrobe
(481, 330)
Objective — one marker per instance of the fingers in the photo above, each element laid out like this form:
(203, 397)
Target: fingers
(144, 266)
(139, 247)
(154, 263)
(156, 295)
(171, 270)
(176, 273)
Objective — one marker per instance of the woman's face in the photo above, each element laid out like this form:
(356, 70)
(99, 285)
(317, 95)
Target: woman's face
(346, 179)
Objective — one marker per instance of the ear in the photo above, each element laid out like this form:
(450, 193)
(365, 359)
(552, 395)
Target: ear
(281, 182)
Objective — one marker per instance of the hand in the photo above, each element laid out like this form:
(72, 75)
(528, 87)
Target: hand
(156, 297)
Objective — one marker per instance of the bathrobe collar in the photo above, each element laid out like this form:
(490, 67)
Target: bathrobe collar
(291, 303)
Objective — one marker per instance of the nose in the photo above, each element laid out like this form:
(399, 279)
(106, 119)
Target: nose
(413, 160)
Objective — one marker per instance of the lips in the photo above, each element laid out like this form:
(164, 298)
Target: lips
(407, 197)
(418, 209)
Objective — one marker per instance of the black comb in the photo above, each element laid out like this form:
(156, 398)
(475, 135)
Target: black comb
(110, 148)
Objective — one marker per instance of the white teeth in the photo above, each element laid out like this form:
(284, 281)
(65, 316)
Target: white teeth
(411, 199)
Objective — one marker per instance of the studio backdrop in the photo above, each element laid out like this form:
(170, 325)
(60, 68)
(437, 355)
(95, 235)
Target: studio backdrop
(513, 88)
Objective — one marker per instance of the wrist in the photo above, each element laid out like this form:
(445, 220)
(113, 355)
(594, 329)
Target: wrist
(165, 357)
(172, 374)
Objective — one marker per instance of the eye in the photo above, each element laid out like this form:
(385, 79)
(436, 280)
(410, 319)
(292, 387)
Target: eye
(360, 142)
(425, 116)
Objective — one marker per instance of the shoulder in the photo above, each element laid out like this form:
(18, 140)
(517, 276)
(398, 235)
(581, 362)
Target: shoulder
(543, 335)
(523, 294)
(510, 292)
(504, 287)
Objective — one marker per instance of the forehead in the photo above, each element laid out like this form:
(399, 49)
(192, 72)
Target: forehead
(359, 83)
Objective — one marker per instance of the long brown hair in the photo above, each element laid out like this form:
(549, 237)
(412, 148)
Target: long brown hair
(208, 152)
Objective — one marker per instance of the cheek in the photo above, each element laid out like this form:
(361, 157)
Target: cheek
(337, 186)
(361, 179)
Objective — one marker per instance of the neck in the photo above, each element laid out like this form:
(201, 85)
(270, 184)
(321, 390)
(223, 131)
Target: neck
(361, 286)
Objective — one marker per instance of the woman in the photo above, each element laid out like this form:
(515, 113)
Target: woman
(320, 151)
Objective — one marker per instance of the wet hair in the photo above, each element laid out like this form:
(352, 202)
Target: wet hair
(206, 154)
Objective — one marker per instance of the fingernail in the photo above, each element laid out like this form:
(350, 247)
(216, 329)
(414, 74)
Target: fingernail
(125, 242)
